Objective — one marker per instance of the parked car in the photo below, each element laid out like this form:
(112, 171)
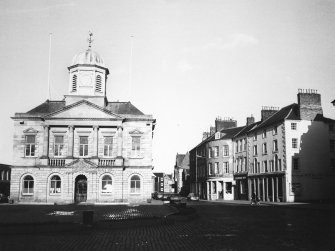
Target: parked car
(3, 198)
(192, 196)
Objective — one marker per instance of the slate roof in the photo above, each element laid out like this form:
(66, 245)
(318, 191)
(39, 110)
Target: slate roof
(121, 108)
(227, 134)
(246, 129)
(288, 112)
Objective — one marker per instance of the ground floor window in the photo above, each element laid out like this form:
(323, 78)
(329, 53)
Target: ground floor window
(28, 185)
(106, 184)
(135, 184)
(55, 185)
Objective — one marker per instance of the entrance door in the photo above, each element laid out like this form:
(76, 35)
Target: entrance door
(81, 189)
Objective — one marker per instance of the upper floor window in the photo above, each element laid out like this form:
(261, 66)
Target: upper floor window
(225, 167)
(98, 85)
(264, 134)
(255, 136)
(293, 126)
(30, 145)
(275, 145)
(136, 145)
(216, 168)
(209, 152)
(264, 148)
(74, 83)
(274, 131)
(108, 145)
(236, 146)
(83, 146)
(28, 185)
(59, 145)
(244, 144)
(255, 150)
(331, 128)
(210, 168)
(216, 151)
(265, 166)
(106, 184)
(240, 146)
(55, 185)
(135, 184)
(294, 143)
(225, 150)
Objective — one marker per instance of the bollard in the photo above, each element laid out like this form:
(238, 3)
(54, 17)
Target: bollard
(88, 217)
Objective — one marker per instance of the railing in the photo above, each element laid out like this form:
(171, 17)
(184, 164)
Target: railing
(106, 162)
(56, 162)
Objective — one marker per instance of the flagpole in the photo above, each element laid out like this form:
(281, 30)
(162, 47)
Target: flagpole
(49, 67)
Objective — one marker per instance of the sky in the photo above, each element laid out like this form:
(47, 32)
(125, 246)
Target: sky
(192, 60)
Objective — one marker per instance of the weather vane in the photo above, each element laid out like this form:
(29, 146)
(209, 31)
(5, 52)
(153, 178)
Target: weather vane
(90, 40)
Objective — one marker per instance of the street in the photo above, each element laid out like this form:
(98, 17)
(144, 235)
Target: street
(217, 226)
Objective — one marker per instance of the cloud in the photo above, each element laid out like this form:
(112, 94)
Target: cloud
(184, 66)
(234, 41)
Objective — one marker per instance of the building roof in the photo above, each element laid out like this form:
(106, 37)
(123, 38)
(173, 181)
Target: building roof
(120, 108)
(225, 134)
(159, 174)
(288, 112)
(246, 129)
(88, 57)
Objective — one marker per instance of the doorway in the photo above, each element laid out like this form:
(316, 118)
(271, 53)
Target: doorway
(80, 189)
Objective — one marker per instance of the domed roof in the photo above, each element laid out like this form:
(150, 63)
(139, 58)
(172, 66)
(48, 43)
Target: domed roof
(88, 57)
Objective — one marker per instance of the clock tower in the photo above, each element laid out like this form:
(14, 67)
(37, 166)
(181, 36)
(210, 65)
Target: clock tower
(87, 77)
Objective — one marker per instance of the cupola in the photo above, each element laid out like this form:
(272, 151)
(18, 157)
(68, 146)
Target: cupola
(87, 77)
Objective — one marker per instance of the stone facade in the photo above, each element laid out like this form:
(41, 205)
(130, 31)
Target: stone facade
(83, 148)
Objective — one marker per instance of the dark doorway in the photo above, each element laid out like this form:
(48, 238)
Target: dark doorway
(80, 189)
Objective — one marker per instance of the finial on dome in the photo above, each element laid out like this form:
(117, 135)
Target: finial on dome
(90, 40)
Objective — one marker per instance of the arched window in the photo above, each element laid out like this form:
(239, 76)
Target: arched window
(98, 86)
(106, 184)
(74, 83)
(28, 185)
(55, 185)
(135, 184)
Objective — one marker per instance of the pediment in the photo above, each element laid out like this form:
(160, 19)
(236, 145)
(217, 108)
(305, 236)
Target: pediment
(83, 110)
(30, 130)
(135, 131)
(82, 165)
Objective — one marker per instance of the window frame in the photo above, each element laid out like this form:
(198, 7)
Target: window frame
(136, 148)
(30, 188)
(137, 190)
(85, 147)
(31, 146)
(59, 147)
(293, 126)
(294, 143)
(225, 150)
(55, 185)
(109, 146)
(105, 182)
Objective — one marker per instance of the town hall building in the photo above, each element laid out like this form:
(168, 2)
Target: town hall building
(83, 148)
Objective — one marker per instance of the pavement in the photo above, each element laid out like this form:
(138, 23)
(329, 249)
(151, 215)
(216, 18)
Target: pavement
(214, 225)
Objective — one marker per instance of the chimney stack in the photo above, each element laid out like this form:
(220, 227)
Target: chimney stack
(309, 102)
(211, 130)
(250, 120)
(224, 123)
(205, 135)
(268, 111)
